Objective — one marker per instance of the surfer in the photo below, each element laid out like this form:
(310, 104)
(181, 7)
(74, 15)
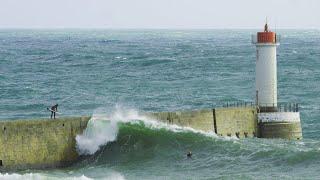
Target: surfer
(189, 154)
(53, 110)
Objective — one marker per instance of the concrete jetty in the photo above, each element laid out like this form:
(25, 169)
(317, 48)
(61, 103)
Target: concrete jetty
(47, 143)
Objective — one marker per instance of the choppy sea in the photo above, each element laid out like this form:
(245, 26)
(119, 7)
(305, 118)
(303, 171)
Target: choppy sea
(113, 75)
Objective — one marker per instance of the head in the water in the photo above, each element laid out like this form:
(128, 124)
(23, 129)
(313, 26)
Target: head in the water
(189, 154)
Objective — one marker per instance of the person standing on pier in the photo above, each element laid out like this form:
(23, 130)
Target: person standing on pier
(53, 110)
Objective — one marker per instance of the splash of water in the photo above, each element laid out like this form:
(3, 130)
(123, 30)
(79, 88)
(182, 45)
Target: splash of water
(97, 133)
(102, 129)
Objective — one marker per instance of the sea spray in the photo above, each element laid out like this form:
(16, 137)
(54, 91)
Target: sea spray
(97, 133)
(102, 129)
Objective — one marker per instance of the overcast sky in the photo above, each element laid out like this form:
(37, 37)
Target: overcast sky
(159, 13)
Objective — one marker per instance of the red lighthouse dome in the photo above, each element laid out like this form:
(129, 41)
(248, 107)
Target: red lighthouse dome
(266, 36)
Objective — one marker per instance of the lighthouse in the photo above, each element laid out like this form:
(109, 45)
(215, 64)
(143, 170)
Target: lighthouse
(266, 43)
(276, 120)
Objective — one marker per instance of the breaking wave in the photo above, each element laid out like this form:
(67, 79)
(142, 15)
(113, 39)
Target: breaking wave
(102, 128)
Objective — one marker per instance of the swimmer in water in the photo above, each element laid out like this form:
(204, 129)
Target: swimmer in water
(189, 154)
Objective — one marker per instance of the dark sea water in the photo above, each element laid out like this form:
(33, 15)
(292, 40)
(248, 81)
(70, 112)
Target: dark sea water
(115, 74)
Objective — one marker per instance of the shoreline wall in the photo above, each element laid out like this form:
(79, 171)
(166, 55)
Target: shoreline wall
(39, 143)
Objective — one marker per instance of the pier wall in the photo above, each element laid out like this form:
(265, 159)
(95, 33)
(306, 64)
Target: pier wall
(240, 122)
(199, 120)
(39, 143)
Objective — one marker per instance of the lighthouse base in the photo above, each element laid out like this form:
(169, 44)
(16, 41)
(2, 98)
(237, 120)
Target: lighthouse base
(284, 125)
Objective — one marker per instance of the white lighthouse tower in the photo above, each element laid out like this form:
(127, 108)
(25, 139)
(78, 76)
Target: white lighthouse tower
(266, 70)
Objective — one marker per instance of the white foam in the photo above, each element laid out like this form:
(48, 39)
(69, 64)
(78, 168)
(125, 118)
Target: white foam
(36, 176)
(102, 129)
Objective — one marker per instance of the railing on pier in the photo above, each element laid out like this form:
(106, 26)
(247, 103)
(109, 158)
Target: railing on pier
(238, 104)
(279, 107)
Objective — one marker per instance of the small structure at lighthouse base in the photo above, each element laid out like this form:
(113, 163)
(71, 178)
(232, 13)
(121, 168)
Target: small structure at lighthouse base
(285, 125)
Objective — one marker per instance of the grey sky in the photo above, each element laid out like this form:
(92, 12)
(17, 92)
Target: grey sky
(159, 13)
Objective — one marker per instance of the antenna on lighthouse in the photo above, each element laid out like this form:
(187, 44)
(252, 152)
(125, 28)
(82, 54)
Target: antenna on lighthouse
(266, 29)
(275, 26)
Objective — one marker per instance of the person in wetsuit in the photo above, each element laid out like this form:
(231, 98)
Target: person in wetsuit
(189, 154)
(54, 109)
